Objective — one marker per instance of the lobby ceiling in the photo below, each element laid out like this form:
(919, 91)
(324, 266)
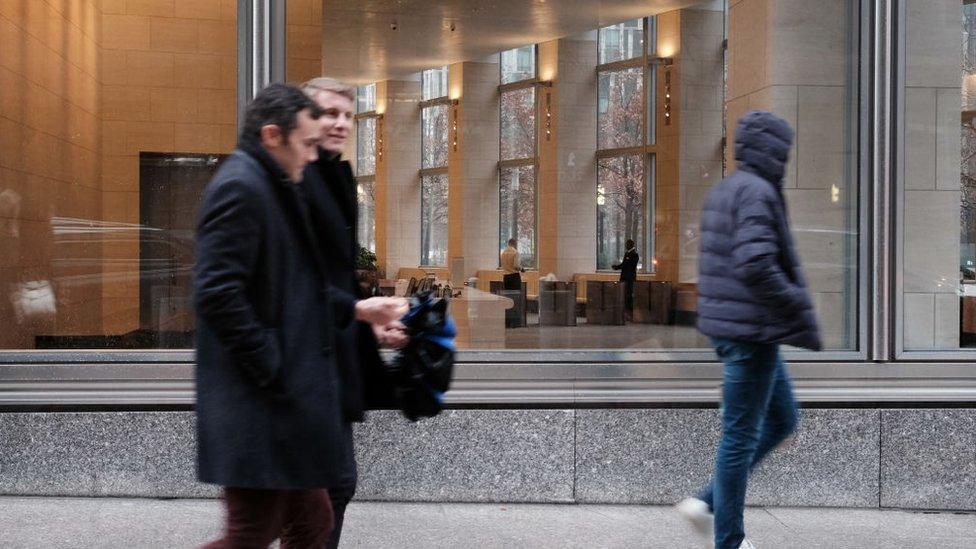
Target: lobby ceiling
(370, 40)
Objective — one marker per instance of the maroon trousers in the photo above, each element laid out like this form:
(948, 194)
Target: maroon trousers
(255, 518)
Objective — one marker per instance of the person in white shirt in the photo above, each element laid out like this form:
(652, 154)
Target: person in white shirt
(510, 266)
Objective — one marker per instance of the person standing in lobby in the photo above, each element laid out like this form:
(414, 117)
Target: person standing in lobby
(752, 299)
(628, 275)
(511, 271)
(270, 427)
(331, 191)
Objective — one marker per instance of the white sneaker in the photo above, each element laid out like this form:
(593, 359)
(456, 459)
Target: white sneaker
(746, 544)
(696, 512)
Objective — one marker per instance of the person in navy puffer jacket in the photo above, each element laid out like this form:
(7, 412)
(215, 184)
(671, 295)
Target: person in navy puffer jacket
(752, 298)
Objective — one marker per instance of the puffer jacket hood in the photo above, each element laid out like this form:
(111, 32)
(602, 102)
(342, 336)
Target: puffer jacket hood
(762, 145)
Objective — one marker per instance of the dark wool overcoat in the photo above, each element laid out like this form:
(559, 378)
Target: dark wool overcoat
(269, 411)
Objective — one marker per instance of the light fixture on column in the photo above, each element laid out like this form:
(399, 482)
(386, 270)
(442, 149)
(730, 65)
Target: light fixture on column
(379, 136)
(667, 95)
(666, 62)
(454, 127)
(548, 115)
(548, 85)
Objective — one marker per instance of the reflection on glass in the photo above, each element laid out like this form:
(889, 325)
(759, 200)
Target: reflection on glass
(434, 83)
(518, 64)
(102, 163)
(518, 124)
(939, 275)
(71, 222)
(619, 208)
(366, 146)
(434, 128)
(433, 220)
(622, 41)
(620, 108)
(517, 212)
(366, 199)
(968, 179)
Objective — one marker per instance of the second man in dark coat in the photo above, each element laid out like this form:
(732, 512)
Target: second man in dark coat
(333, 197)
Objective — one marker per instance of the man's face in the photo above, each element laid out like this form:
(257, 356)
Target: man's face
(300, 148)
(336, 123)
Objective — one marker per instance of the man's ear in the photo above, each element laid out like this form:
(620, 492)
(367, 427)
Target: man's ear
(271, 135)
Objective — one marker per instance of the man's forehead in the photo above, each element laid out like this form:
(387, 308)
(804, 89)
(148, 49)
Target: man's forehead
(328, 98)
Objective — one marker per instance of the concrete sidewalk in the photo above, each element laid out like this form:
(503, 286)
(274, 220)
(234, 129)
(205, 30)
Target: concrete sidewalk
(136, 523)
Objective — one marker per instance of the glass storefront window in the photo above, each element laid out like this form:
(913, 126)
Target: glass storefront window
(938, 261)
(624, 150)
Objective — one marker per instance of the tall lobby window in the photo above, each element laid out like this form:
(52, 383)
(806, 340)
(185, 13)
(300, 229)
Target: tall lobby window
(517, 188)
(938, 191)
(626, 108)
(103, 156)
(621, 197)
(518, 64)
(366, 121)
(434, 113)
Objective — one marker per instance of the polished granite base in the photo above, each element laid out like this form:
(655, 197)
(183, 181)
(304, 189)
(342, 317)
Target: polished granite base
(914, 459)
(928, 459)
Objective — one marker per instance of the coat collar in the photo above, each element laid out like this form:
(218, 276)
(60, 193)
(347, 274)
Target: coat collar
(288, 192)
(255, 150)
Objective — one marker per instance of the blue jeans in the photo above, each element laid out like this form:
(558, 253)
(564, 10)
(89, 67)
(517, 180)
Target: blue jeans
(758, 413)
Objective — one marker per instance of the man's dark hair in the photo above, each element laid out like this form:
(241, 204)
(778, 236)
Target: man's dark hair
(629, 244)
(278, 104)
(512, 242)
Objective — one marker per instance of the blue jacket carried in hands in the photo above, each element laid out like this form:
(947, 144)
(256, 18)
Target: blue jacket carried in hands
(750, 286)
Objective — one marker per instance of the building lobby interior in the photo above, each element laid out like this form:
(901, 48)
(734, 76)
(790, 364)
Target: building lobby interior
(570, 126)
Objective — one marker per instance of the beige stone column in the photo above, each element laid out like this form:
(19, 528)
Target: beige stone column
(575, 121)
(547, 173)
(397, 175)
(667, 147)
(473, 166)
(700, 123)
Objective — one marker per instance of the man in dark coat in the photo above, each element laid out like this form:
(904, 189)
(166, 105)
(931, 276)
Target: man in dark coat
(752, 299)
(332, 195)
(269, 416)
(628, 275)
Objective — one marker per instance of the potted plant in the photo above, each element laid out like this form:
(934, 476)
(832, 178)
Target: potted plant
(366, 271)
